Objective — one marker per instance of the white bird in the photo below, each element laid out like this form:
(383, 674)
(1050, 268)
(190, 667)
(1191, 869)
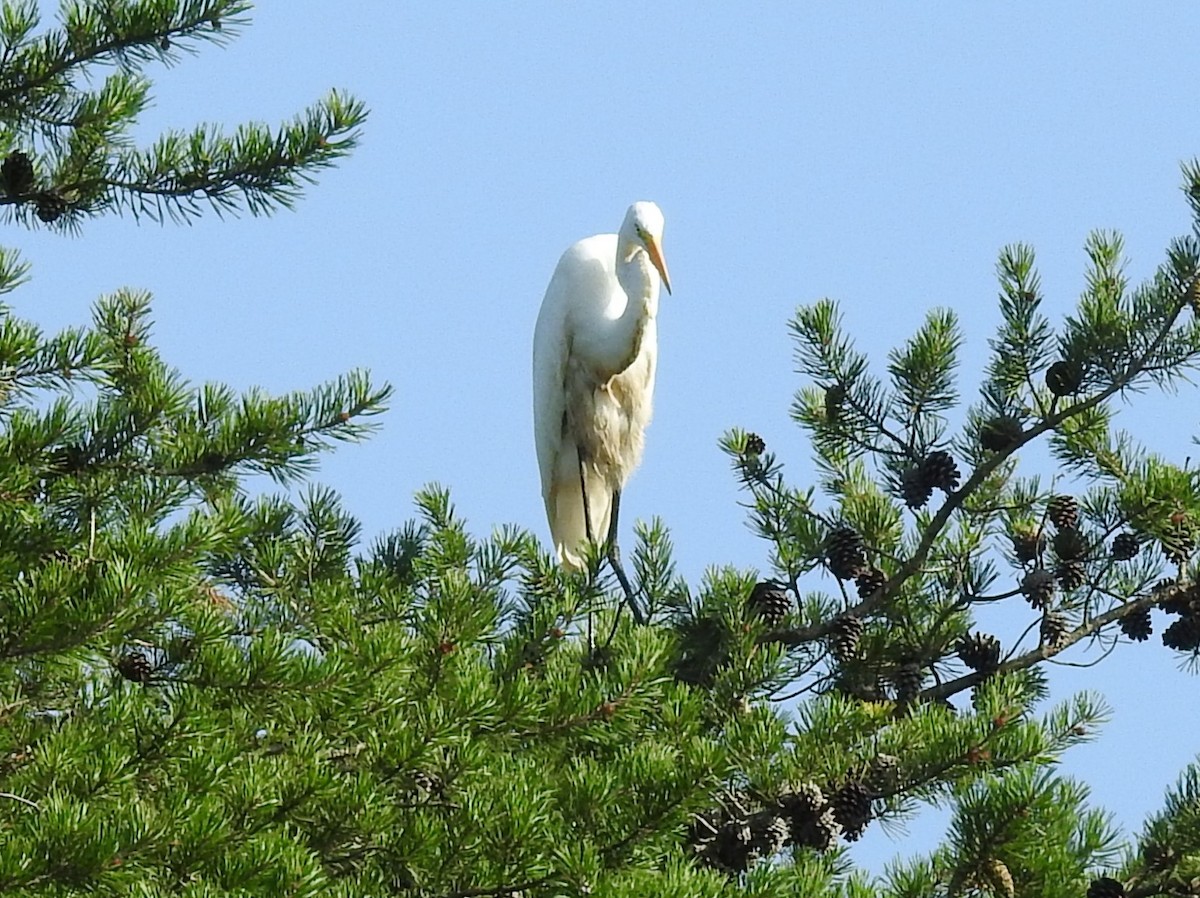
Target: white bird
(595, 348)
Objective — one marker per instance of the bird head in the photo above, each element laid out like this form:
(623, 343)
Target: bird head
(644, 225)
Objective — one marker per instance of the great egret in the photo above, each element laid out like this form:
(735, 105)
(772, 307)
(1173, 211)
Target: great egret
(595, 347)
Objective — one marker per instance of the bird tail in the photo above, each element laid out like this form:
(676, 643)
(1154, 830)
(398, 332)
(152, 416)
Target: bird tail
(564, 508)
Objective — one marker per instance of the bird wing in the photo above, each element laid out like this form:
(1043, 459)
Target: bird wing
(550, 351)
(576, 295)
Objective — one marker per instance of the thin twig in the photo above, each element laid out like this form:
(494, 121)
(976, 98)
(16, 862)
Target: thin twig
(18, 798)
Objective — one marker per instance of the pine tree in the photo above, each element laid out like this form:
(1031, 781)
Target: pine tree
(71, 95)
(938, 562)
(210, 691)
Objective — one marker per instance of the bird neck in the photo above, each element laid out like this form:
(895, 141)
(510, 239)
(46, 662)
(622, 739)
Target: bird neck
(639, 282)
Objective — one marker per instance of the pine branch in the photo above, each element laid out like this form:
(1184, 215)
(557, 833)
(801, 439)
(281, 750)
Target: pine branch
(1046, 652)
(89, 168)
(117, 31)
(955, 500)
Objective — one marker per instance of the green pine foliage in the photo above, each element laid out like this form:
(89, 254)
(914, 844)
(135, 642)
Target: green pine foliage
(207, 689)
(124, 635)
(1110, 538)
(71, 94)
(1167, 859)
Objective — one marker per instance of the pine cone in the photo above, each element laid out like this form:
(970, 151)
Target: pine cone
(754, 445)
(1027, 544)
(998, 877)
(1071, 574)
(1063, 512)
(769, 602)
(914, 488)
(810, 821)
(1137, 625)
(940, 471)
(532, 655)
(1106, 887)
(49, 206)
(883, 776)
(704, 647)
(820, 832)
(844, 637)
(1070, 544)
(703, 829)
(834, 397)
(1038, 587)
(805, 799)
(980, 652)
(1179, 542)
(869, 581)
(17, 174)
(862, 685)
(907, 680)
(999, 434)
(1183, 635)
(732, 847)
(424, 785)
(135, 667)
(1125, 546)
(1159, 856)
(845, 553)
(1175, 598)
(1054, 629)
(1064, 378)
(851, 806)
(769, 832)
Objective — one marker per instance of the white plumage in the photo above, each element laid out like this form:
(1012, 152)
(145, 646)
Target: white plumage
(594, 353)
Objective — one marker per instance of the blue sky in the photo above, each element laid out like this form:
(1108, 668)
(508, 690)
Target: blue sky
(877, 153)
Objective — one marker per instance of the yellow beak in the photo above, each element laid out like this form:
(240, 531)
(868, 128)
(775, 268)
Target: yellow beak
(660, 263)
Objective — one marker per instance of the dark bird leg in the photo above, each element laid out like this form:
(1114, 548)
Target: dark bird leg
(587, 511)
(614, 559)
(614, 551)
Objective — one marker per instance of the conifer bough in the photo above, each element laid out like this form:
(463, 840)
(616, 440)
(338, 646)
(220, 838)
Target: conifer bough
(207, 693)
(1067, 541)
(70, 96)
